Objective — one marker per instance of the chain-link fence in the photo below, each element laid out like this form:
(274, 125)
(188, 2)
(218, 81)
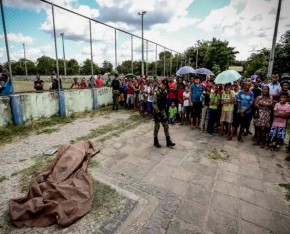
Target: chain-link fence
(47, 39)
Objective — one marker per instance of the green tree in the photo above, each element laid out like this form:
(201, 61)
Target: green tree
(86, 68)
(45, 65)
(107, 66)
(214, 54)
(18, 67)
(72, 67)
(257, 63)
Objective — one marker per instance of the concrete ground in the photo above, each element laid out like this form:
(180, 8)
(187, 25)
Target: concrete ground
(177, 190)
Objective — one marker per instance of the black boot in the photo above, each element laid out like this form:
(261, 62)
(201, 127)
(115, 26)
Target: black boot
(169, 143)
(113, 107)
(156, 142)
(117, 107)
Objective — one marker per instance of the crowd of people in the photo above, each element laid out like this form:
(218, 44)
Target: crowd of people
(227, 110)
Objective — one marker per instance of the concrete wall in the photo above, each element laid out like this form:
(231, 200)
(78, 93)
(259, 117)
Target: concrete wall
(5, 111)
(44, 105)
(39, 105)
(78, 100)
(104, 96)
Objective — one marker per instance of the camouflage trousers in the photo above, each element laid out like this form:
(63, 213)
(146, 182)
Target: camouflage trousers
(116, 94)
(157, 127)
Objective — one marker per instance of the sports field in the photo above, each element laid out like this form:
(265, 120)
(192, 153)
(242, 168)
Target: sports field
(27, 86)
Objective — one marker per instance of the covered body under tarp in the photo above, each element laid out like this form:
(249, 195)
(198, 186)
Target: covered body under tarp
(60, 195)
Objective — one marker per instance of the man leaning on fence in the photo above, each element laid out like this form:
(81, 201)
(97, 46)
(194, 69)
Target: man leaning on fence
(116, 92)
(5, 82)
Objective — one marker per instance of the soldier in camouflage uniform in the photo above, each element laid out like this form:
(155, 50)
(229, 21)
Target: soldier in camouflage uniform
(116, 92)
(159, 108)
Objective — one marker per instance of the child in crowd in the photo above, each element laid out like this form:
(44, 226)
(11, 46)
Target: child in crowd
(204, 112)
(186, 106)
(142, 101)
(212, 110)
(172, 113)
(227, 101)
(278, 130)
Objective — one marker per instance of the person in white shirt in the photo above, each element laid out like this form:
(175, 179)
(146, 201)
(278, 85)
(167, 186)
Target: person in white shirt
(275, 87)
(186, 106)
(149, 92)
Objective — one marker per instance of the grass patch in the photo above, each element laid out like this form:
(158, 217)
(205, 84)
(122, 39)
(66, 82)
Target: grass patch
(217, 154)
(103, 194)
(28, 174)
(93, 163)
(9, 133)
(2, 178)
(7, 226)
(47, 131)
(279, 165)
(44, 125)
(15, 173)
(287, 188)
(105, 132)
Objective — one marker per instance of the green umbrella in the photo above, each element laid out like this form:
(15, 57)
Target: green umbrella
(227, 76)
(130, 75)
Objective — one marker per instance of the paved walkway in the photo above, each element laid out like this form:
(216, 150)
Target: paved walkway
(181, 190)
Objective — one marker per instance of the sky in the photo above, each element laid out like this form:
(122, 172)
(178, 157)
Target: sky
(248, 25)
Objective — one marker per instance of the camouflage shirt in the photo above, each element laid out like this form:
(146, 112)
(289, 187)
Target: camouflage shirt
(159, 100)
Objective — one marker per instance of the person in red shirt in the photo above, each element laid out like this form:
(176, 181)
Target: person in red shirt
(130, 94)
(171, 89)
(99, 82)
(83, 84)
(207, 82)
(180, 90)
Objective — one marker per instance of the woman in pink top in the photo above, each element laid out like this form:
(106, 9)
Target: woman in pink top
(278, 129)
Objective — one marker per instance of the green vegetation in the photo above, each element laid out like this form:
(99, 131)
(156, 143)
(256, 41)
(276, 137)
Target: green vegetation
(287, 188)
(217, 154)
(2, 178)
(28, 175)
(47, 131)
(9, 133)
(105, 132)
(47, 126)
(7, 226)
(279, 165)
(93, 163)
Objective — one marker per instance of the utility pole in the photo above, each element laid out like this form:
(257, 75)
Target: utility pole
(25, 65)
(272, 54)
(196, 57)
(142, 16)
(64, 64)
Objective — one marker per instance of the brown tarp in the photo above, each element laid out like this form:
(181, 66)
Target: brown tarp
(62, 194)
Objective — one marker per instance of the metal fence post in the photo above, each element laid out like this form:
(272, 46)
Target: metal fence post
(91, 46)
(132, 66)
(156, 60)
(164, 63)
(170, 62)
(146, 58)
(116, 50)
(60, 92)
(6, 45)
(177, 56)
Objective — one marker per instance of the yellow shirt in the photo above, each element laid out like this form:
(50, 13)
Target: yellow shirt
(227, 97)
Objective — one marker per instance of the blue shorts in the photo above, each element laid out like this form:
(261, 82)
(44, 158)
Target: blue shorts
(149, 106)
(278, 132)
